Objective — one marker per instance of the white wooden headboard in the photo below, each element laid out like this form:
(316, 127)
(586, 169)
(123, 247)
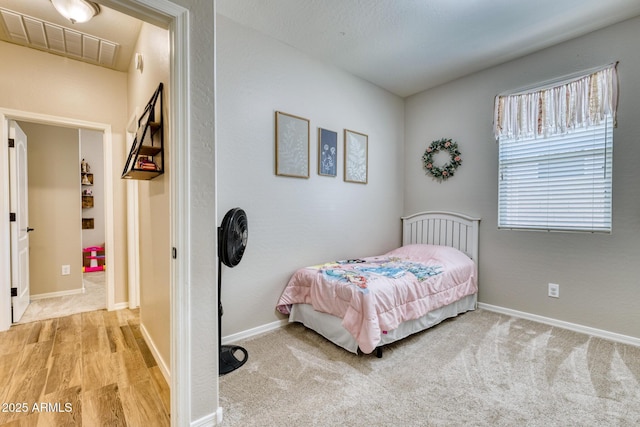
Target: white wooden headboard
(442, 228)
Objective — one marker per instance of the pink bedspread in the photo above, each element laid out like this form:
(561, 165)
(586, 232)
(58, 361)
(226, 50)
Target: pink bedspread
(375, 294)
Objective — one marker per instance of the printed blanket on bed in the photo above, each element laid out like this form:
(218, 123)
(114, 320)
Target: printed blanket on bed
(374, 295)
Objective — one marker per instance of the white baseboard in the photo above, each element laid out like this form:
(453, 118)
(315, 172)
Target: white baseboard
(209, 420)
(255, 331)
(156, 354)
(56, 294)
(120, 305)
(600, 333)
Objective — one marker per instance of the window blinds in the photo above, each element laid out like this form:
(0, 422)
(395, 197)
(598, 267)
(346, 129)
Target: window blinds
(560, 182)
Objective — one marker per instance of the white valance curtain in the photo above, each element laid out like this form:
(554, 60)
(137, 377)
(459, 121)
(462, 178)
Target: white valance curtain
(554, 108)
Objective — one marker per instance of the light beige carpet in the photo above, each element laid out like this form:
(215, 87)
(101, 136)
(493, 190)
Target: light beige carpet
(93, 298)
(479, 369)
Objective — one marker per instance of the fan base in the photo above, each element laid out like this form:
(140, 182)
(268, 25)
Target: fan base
(228, 360)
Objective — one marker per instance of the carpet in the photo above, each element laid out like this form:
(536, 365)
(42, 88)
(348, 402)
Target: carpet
(93, 298)
(478, 369)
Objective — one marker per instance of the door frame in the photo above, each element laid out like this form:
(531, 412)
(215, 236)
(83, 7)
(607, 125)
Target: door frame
(175, 18)
(133, 227)
(107, 149)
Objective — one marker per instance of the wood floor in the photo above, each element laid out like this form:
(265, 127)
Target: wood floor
(87, 369)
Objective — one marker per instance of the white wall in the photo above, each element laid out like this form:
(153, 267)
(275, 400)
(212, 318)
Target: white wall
(296, 222)
(599, 275)
(154, 195)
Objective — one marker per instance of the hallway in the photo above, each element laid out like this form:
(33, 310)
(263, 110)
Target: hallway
(93, 298)
(91, 368)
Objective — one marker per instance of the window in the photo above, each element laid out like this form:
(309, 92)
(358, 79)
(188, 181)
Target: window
(555, 152)
(558, 182)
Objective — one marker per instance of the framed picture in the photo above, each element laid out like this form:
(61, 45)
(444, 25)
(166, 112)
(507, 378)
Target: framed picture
(327, 152)
(292, 145)
(356, 154)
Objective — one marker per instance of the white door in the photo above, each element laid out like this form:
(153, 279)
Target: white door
(18, 204)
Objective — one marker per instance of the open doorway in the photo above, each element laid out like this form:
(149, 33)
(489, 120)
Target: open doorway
(64, 221)
(70, 127)
(113, 95)
(110, 94)
(176, 18)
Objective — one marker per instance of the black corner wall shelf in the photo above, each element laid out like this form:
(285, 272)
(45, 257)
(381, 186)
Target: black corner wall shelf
(146, 158)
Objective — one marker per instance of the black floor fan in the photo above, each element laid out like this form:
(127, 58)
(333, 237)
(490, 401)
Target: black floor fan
(232, 241)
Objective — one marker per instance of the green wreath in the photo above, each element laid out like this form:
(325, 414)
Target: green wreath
(447, 170)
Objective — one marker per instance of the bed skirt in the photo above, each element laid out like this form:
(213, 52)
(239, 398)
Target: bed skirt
(330, 326)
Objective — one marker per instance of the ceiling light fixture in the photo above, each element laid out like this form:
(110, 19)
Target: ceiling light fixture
(76, 10)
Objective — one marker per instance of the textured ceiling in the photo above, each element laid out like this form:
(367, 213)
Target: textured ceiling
(404, 46)
(407, 46)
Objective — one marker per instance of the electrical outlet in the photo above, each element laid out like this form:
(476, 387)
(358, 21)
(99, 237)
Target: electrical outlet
(554, 290)
(66, 270)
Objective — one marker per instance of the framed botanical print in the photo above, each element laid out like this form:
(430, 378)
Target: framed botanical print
(292, 145)
(356, 156)
(327, 152)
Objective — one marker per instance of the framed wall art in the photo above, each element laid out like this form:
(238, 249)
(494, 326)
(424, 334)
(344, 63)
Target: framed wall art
(327, 152)
(292, 145)
(356, 154)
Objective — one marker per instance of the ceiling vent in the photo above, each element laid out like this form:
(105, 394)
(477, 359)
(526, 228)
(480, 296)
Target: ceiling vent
(38, 34)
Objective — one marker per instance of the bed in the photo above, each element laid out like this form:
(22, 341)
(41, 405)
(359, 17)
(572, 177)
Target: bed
(365, 303)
